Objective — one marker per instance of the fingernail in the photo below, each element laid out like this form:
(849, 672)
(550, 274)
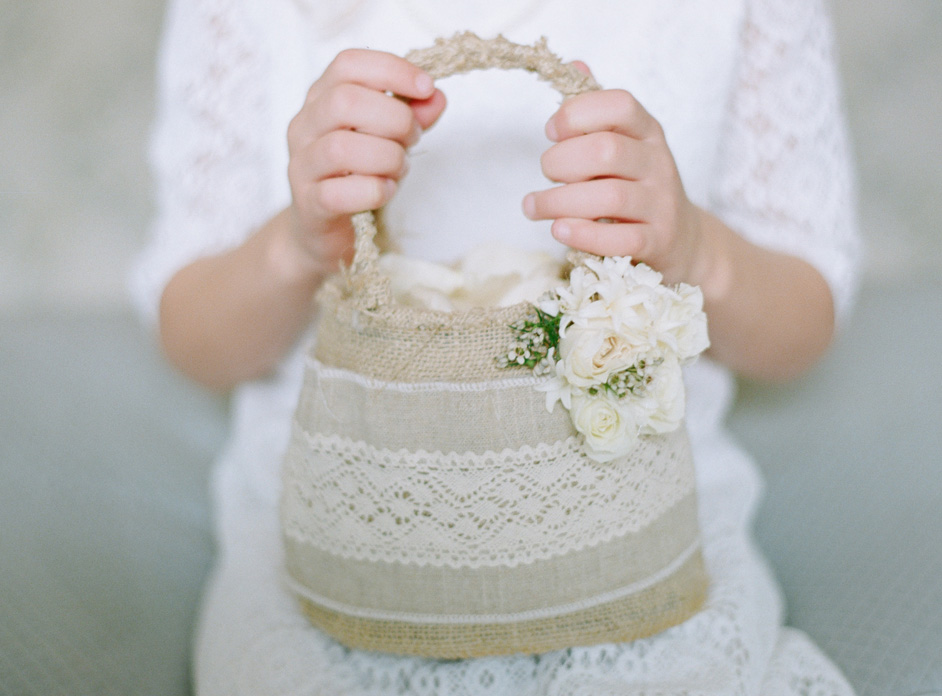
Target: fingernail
(424, 83)
(529, 206)
(390, 187)
(562, 231)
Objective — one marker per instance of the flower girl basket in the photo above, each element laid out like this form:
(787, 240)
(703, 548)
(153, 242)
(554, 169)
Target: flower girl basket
(434, 506)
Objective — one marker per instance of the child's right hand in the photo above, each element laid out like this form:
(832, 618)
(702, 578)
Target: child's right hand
(347, 145)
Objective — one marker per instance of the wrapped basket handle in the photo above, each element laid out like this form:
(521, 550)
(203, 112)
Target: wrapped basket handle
(461, 53)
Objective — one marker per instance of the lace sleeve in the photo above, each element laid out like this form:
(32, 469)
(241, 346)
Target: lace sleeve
(786, 178)
(209, 153)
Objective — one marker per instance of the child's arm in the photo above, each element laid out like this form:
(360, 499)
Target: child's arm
(771, 315)
(227, 318)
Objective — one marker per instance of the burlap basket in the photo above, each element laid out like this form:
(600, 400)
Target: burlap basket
(432, 505)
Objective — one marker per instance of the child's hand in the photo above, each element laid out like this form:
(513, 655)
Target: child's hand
(621, 193)
(348, 144)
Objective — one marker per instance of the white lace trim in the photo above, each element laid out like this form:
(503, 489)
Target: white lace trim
(472, 510)
(514, 617)
(339, 374)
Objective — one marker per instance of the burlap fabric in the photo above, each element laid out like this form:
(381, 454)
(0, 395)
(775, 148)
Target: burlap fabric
(432, 506)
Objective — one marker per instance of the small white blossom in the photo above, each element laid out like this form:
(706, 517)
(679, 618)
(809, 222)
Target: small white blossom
(549, 303)
(557, 389)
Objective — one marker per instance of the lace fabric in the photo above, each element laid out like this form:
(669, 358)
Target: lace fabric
(782, 178)
(209, 162)
(785, 179)
(428, 509)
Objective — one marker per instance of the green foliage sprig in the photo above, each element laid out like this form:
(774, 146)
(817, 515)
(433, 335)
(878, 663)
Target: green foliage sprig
(536, 343)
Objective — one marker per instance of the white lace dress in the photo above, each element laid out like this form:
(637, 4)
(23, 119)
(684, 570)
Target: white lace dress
(747, 94)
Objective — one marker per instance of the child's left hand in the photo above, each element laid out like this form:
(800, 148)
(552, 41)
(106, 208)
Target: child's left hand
(621, 193)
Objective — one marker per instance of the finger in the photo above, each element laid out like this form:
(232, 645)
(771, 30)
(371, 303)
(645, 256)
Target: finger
(427, 111)
(602, 238)
(380, 71)
(616, 199)
(352, 194)
(582, 67)
(613, 110)
(602, 154)
(341, 153)
(354, 107)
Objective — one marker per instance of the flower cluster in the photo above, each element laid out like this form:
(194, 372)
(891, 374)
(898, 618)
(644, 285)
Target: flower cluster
(613, 342)
(535, 344)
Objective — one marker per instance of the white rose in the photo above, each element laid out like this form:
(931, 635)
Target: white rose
(588, 355)
(683, 326)
(608, 426)
(666, 390)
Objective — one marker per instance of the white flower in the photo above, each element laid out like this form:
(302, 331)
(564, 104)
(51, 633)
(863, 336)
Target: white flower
(589, 354)
(549, 304)
(682, 325)
(667, 398)
(692, 334)
(608, 425)
(556, 389)
(577, 294)
(614, 290)
(634, 314)
(617, 274)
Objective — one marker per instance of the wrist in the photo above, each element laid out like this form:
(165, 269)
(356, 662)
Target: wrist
(713, 266)
(287, 260)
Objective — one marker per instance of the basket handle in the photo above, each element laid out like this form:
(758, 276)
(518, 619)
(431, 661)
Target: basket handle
(461, 53)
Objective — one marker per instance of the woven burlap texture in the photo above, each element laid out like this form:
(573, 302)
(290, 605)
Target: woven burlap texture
(438, 403)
